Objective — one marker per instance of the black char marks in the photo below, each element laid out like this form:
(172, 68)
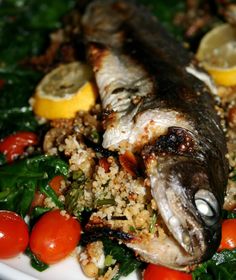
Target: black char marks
(177, 141)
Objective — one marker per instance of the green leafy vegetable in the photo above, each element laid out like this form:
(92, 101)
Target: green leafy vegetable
(19, 84)
(222, 266)
(49, 192)
(17, 89)
(24, 32)
(15, 113)
(35, 262)
(18, 181)
(38, 211)
(16, 119)
(2, 159)
(25, 25)
(165, 11)
(123, 256)
(229, 215)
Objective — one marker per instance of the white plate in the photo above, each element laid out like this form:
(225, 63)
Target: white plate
(19, 268)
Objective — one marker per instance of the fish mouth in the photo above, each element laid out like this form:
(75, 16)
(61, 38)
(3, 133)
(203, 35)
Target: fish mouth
(181, 223)
(186, 234)
(179, 186)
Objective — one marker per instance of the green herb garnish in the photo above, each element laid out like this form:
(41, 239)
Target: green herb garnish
(153, 223)
(105, 201)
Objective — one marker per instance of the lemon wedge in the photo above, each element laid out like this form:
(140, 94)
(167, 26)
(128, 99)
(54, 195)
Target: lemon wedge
(217, 53)
(64, 91)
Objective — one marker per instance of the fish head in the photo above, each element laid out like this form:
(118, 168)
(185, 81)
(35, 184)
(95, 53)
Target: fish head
(188, 204)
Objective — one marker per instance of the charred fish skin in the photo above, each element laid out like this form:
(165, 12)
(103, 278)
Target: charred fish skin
(155, 104)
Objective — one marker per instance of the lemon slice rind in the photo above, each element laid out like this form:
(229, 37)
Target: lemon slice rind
(64, 91)
(218, 47)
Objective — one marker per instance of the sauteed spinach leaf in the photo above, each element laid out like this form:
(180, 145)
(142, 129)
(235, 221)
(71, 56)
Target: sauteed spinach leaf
(165, 11)
(16, 119)
(35, 262)
(17, 88)
(229, 215)
(19, 181)
(24, 32)
(25, 25)
(2, 159)
(121, 255)
(221, 266)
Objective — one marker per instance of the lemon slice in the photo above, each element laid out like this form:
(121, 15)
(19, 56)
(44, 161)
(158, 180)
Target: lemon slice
(64, 91)
(217, 53)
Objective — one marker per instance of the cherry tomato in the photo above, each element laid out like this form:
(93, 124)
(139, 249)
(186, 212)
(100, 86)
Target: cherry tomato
(54, 236)
(228, 239)
(157, 272)
(15, 144)
(14, 234)
(55, 184)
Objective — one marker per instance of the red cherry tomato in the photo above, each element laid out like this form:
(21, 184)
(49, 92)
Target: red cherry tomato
(228, 239)
(54, 236)
(15, 144)
(55, 184)
(14, 235)
(158, 272)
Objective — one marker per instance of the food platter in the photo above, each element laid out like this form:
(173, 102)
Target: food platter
(19, 268)
(112, 179)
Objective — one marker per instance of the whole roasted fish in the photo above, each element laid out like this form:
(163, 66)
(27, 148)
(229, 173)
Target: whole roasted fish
(158, 103)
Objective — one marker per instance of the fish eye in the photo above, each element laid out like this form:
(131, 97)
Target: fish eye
(204, 208)
(207, 205)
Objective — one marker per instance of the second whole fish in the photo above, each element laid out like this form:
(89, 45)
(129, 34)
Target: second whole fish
(158, 103)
